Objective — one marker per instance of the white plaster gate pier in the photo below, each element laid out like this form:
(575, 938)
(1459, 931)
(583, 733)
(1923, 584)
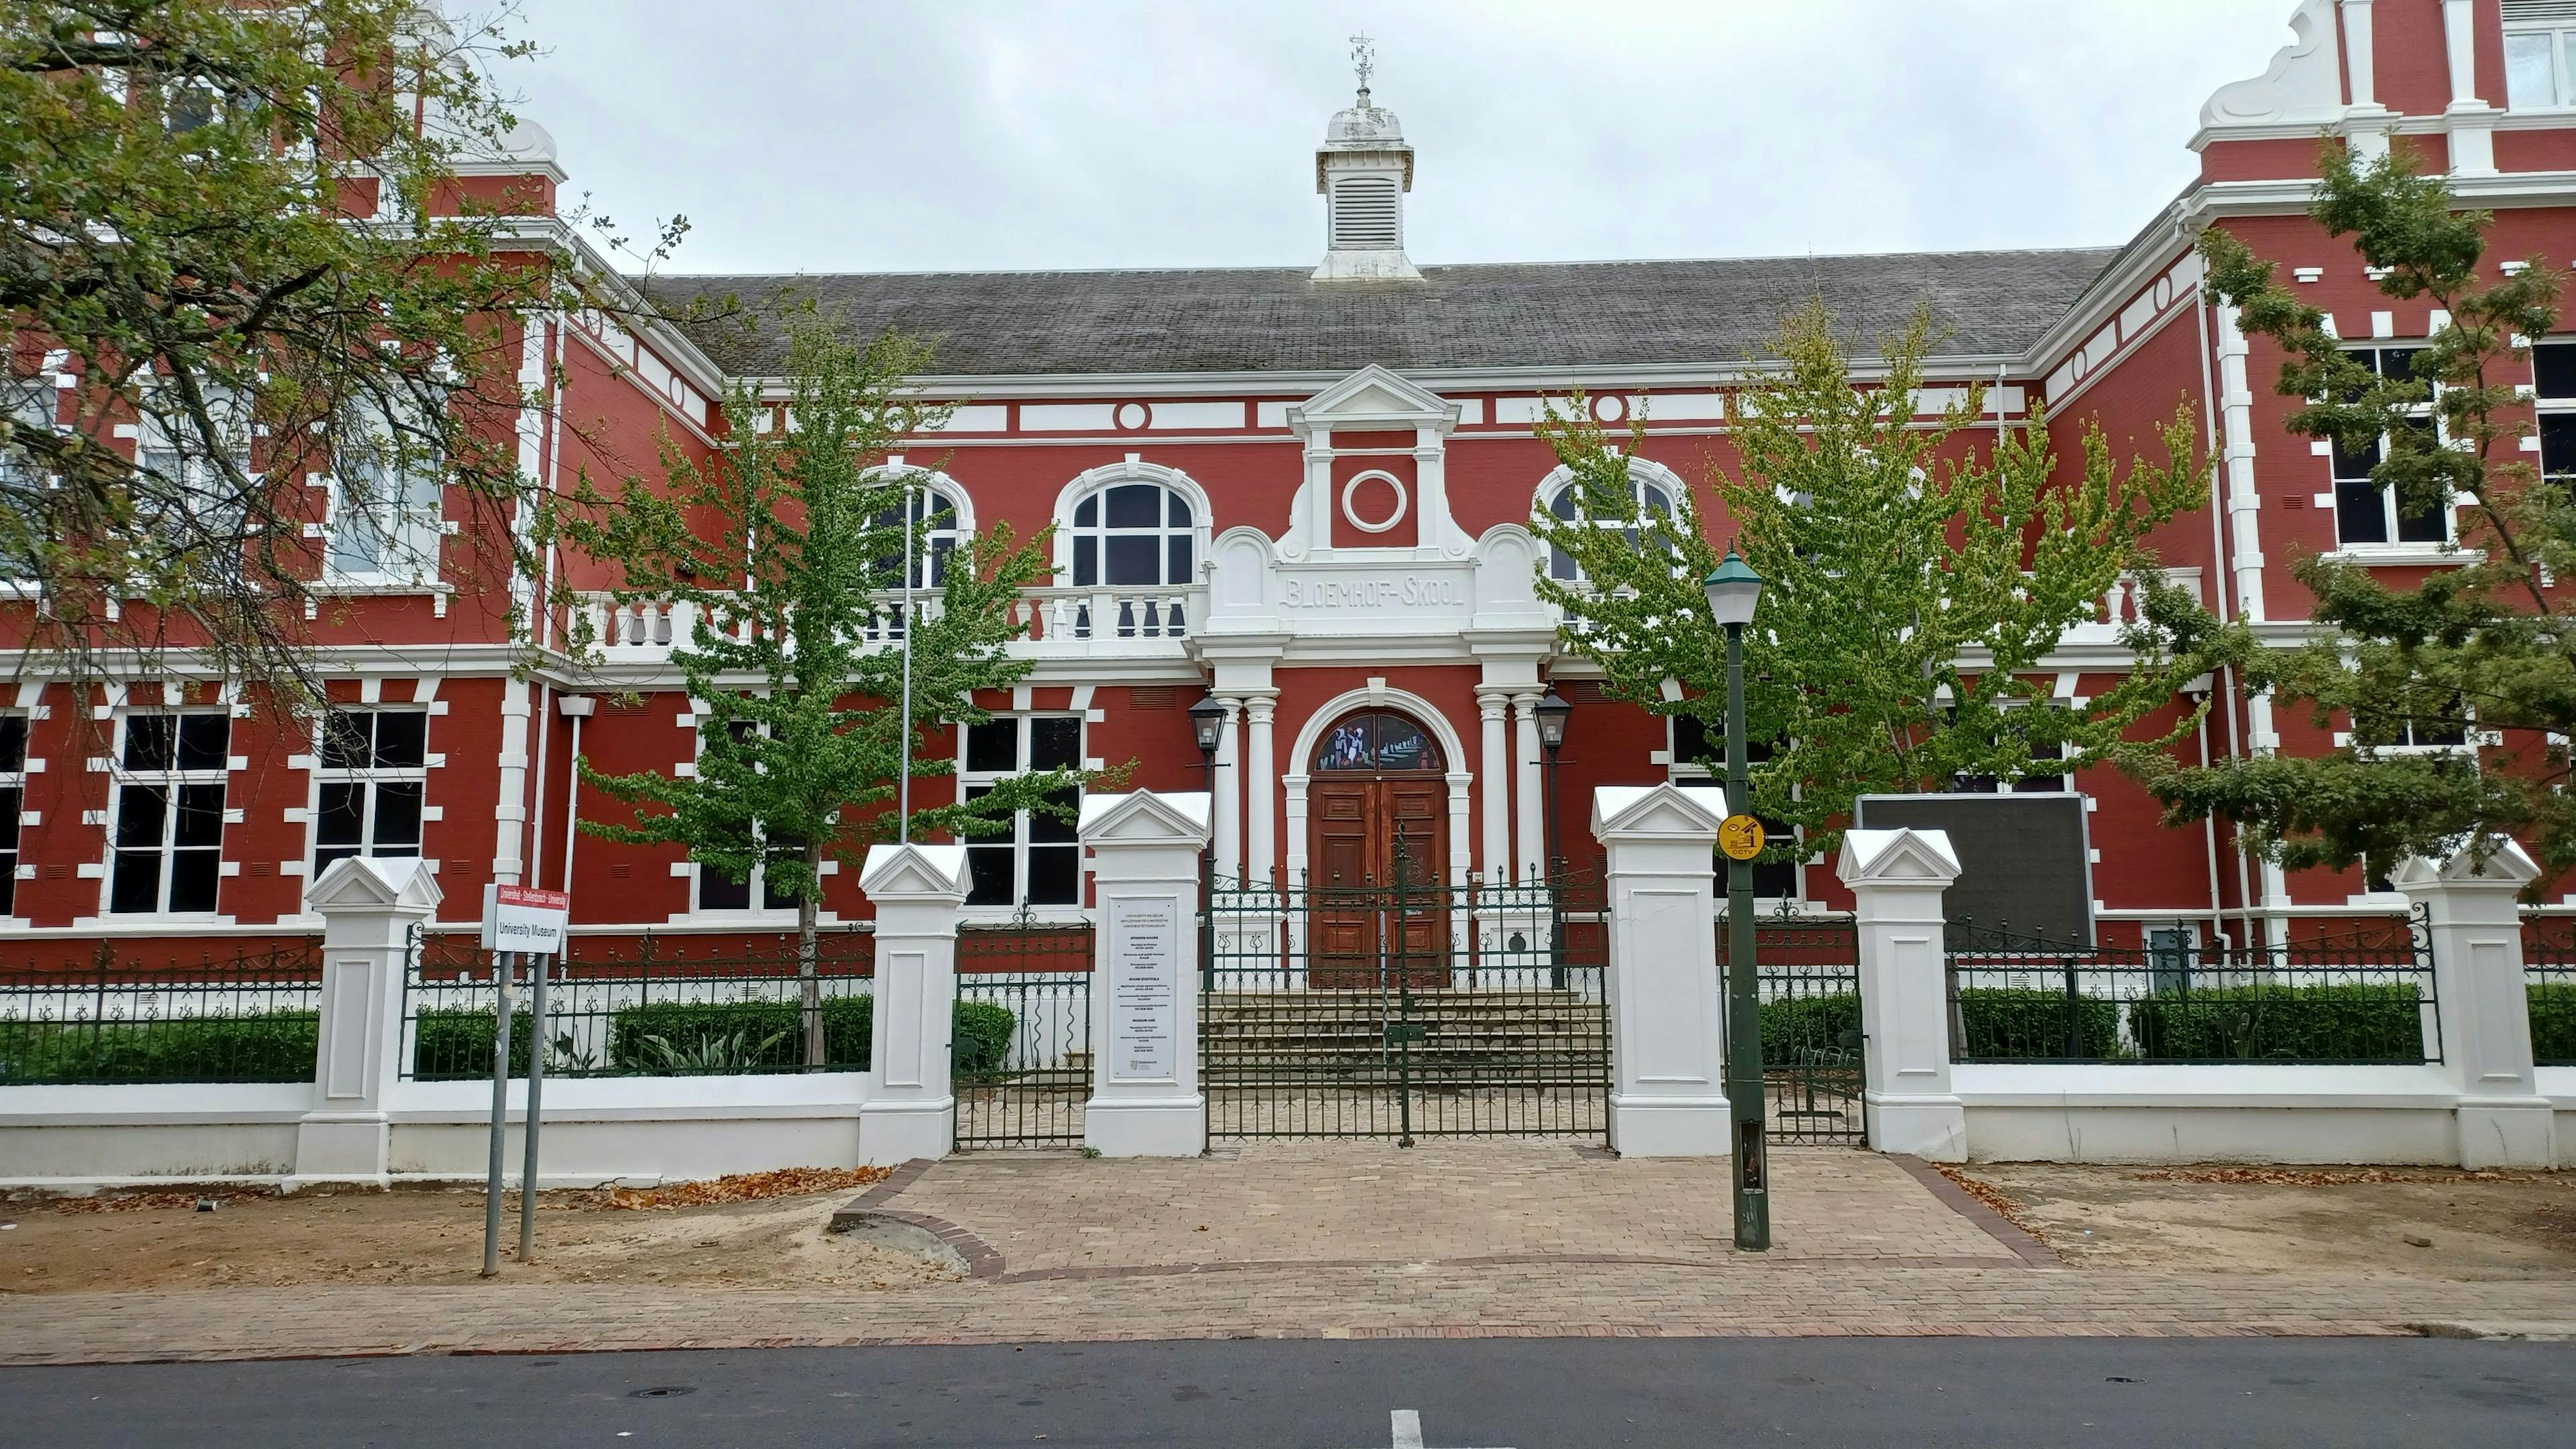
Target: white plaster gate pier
(1667, 1006)
(1145, 1094)
(919, 891)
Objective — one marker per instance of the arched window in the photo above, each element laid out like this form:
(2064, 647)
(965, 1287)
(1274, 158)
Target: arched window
(939, 524)
(1378, 741)
(1652, 485)
(1131, 534)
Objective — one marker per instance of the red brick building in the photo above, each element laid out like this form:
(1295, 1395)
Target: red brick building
(1305, 490)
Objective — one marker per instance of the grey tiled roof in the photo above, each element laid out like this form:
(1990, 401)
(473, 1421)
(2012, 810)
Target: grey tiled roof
(1273, 319)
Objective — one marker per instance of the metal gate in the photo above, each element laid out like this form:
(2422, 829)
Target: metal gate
(1405, 1009)
(1807, 972)
(1020, 1047)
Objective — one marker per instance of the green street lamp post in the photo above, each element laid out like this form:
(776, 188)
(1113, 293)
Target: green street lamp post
(1733, 591)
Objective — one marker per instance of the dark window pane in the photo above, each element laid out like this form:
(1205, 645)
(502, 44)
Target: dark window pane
(1177, 553)
(1775, 879)
(1561, 566)
(1086, 562)
(2398, 363)
(1055, 742)
(773, 898)
(398, 815)
(2553, 369)
(1401, 746)
(1134, 558)
(1135, 505)
(10, 799)
(1694, 745)
(345, 740)
(203, 740)
(2361, 513)
(201, 816)
(402, 739)
(2429, 524)
(1047, 828)
(340, 818)
(139, 812)
(322, 859)
(1347, 747)
(720, 892)
(993, 747)
(148, 741)
(988, 875)
(8, 883)
(2558, 445)
(1565, 506)
(1086, 514)
(1180, 510)
(137, 886)
(192, 879)
(2355, 463)
(936, 573)
(13, 742)
(1055, 875)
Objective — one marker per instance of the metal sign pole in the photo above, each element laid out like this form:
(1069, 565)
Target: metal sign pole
(501, 963)
(536, 1091)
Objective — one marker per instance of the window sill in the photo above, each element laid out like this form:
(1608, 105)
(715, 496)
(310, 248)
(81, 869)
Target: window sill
(2407, 555)
(358, 586)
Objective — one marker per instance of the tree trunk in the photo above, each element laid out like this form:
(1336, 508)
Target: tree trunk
(808, 984)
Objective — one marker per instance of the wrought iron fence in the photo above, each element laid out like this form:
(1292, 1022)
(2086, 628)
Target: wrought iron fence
(1406, 1009)
(657, 1010)
(1807, 973)
(2549, 973)
(1021, 1062)
(2365, 995)
(246, 1016)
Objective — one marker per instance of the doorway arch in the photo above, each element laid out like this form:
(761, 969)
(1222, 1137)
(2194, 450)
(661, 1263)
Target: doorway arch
(1376, 695)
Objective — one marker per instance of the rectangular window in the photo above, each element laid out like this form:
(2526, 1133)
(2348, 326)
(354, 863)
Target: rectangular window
(2538, 65)
(1699, 756)
(1038, 861)
(385, 504)
(2369, 514)
(13, 796)
(718, 891)
(2553, 378)
(167, 781)
(369, 784)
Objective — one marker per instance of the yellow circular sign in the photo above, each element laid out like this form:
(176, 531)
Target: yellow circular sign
(1740, 836)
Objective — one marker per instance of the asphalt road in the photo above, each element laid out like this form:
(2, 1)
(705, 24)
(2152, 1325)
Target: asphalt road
(1457, 1394)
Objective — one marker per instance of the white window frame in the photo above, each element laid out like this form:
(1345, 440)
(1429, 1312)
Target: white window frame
(930, 558)
(2393, 547)
(1100, 531)
(170, 781)
(755, 909)
(1019, 842)
(2545, 407)
(1646, 477)
(367, 778)
(2562, 66)
(12, 838)
(409, 544)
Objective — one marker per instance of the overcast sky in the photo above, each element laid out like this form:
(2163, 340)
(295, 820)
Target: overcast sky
(936, 135)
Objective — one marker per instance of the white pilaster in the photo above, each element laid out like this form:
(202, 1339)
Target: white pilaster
(2359, 63)
(512, 813)
(1228, 822)
(1667, 1007)
(1261, 789)
(2236, 414)
(369, 908)
(1494, 764)
(1897, 878)
(1531, 854)
(2469, 119)
(2484, 1003)
(1145, 1097)
(919, 891)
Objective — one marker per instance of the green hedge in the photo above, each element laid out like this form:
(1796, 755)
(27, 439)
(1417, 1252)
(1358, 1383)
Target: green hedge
(2011, 1023)
(1796, 1028)
(775, 1028)
(2327, 1023)
(276, 1046)
(2553, 1022)
(980, 1037)
(458, 1043)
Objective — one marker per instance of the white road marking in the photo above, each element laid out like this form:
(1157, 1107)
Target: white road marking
(1406, 1427)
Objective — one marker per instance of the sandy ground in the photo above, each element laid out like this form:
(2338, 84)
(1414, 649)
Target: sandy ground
(2427, 1223)
(436, 1236)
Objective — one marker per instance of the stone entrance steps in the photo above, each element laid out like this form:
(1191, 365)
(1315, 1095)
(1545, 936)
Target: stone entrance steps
(1517, 1036)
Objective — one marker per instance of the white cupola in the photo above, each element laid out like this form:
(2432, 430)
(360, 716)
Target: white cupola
(1362, 171)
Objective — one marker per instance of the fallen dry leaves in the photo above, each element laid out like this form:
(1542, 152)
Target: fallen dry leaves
(2322, 1176)
(740, 1187)
(1989, 1194)
(126, 1202)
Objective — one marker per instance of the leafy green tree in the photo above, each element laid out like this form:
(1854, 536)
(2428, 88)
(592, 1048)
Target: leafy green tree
(785, 548)
(2486, 648)
(1912, 583)
(232, 226)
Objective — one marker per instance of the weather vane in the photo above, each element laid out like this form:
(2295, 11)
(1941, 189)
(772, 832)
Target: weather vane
(1363, 60)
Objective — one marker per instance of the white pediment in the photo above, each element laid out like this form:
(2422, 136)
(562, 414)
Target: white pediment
(1668, 811)
(2506, 864)
(913, 870)
(1146, 817)
(1908, 855)
(1373, 397)
(364, 883)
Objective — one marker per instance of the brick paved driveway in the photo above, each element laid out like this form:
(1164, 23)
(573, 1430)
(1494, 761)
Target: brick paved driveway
(1335, 1239)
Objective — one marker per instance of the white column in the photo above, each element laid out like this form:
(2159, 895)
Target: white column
(1145, 1097)
(2471, 120)
(2358, 62)
(2484, 1003)
(2236, 415)
(512, 812)
(1261, 789)
(1229, 792)
(1494, 766)
(1532, 832)
(369, 908)
(1897, 878)
(1667, 1005)
(919, 891)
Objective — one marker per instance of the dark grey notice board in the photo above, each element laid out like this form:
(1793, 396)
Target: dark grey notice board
(2025, 862)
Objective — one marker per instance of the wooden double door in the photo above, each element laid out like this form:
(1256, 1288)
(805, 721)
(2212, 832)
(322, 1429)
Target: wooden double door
(1377, 892)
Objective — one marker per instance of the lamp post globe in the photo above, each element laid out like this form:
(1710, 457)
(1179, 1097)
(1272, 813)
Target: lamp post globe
(1733, 590)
